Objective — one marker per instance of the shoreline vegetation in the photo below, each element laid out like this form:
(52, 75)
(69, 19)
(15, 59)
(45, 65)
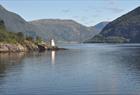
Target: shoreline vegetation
(18, 42)
(27, 45)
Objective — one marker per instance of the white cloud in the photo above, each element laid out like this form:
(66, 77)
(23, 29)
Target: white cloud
(66, 11)
(113, 6)
(115, 10)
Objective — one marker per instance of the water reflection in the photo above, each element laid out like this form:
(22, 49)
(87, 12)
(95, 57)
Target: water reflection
(10, 59)
(84, 71)
(53, 57)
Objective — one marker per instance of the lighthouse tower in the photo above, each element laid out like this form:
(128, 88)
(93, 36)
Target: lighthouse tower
(52, 43)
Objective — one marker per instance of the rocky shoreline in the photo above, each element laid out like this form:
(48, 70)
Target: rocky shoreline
(27, 47)
(6, 47)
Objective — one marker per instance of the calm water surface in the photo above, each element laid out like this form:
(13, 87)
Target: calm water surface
(84, 69)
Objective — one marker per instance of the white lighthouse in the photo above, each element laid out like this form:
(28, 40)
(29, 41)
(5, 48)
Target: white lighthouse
(52, 43)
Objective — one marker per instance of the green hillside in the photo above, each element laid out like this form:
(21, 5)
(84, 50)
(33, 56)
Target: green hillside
(9, 37)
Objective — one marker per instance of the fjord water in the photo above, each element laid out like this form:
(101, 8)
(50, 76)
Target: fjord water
(84, 69)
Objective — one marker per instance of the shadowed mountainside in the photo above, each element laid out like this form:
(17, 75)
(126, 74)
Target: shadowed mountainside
(123, 29)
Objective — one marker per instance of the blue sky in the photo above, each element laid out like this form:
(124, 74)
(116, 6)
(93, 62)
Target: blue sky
(87, 12)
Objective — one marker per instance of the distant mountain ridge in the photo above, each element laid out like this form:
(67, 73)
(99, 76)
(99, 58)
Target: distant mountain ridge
(123, 29)
(60, 30)
(98, 27)
(64, 30)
